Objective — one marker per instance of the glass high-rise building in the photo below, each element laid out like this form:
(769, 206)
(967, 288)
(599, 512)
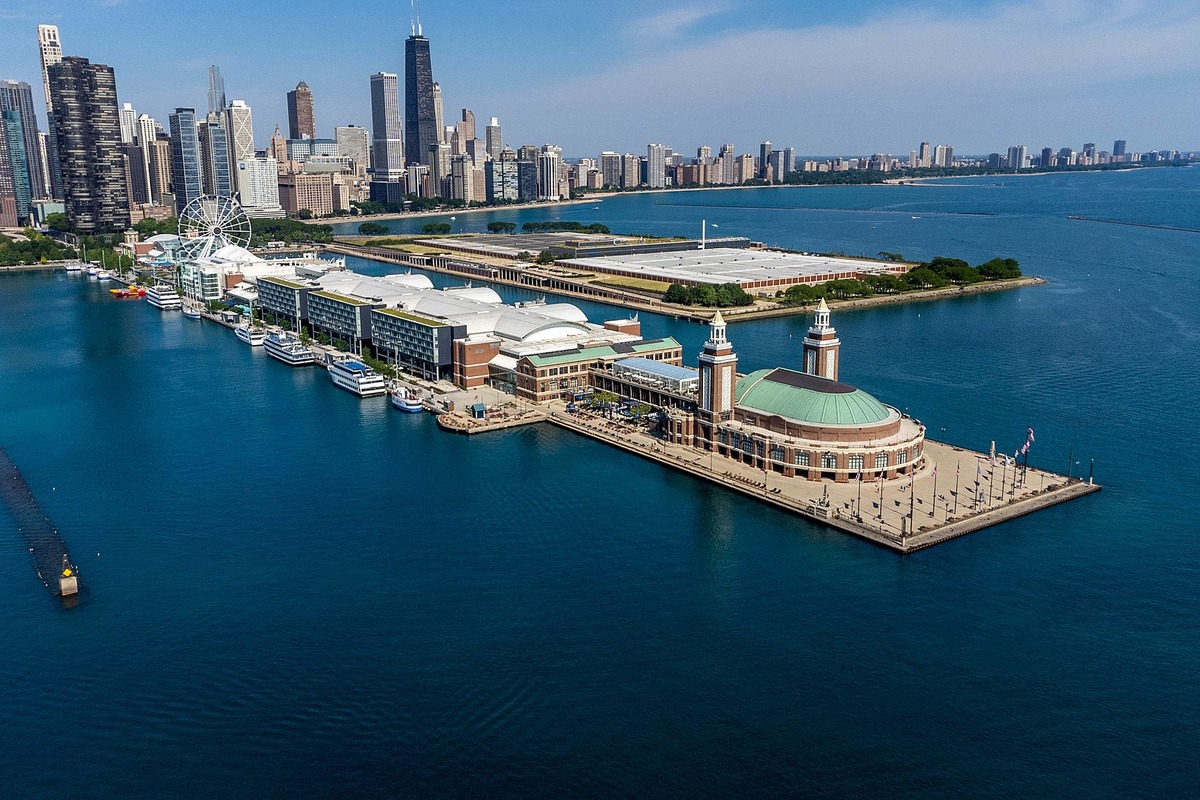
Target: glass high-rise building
(214, 156)
(186, 180)
(386, 127)
(87, 128)
(18, 161)
(216, 90)
(420, 117)
(18, 96)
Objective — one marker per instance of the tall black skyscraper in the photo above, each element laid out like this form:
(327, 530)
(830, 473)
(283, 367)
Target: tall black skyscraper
(420, 117)
(87, 127)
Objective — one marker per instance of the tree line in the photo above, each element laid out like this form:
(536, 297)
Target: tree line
(933, 274)
(722, 296)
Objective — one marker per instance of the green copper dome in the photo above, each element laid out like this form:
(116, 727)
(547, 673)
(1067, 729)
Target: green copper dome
(808, 398)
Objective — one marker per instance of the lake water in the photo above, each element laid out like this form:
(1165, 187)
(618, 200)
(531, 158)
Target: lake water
(294, 592)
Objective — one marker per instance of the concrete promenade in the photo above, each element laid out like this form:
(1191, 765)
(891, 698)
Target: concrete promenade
(966, 493)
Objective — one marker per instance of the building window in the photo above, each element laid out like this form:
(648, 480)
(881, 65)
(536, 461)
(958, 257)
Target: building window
(776, 453)
(829, 461)
(748, 445)
(901, 456)
(881, 461)
(856, 462)
(722, 437)
(801, 459)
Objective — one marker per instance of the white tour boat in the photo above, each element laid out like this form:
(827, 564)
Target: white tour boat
(357, 378)
(287, 348)
(250, 335)
(164, 298)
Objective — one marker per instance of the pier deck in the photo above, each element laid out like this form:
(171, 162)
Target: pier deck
(904, 515)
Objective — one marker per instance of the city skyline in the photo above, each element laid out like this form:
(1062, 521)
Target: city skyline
(1101, 72)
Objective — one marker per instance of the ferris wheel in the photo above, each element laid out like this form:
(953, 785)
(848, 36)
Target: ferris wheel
(210, 222)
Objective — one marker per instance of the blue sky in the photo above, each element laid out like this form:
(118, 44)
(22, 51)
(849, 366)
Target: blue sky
(825, 77)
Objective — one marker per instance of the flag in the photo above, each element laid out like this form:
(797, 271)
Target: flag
(935, 470)
(859, 478)
(957, 467)
(1025, 448)
(1030, 440)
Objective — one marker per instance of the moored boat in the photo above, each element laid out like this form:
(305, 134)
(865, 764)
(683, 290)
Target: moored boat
(288, 348)
(164, 297)
(190, 311)
(357, 378)
(407, 401)
(250, 335)
(103, 275)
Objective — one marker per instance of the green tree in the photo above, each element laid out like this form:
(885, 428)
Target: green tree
(924, 278)
(57, 221)
(524, 255)
(677, 293)
(1000, 268)
(435, 228)
(372, 229)
(305, 213)
(501, 227)
(545, 257)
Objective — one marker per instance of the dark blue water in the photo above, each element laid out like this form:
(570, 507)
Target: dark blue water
(291, 591)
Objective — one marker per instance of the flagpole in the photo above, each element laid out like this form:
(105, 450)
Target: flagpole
(933, 507)
(858, 511)
(912, 495)
(956, 476)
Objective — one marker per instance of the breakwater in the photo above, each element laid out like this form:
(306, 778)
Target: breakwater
(49, 551)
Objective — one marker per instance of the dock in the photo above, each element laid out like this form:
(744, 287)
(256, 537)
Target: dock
(54, 566)
(957, 492)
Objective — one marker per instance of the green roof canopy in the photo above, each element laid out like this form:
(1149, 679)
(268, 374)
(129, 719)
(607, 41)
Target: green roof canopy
(808, 398)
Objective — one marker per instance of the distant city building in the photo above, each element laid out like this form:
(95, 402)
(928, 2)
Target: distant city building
(631, 171)
(214, 156)
(656, 166)
(88, 132)
(354, 143)
(502, 183)
(50, 47)
(216, 90)
(1066, 157)
(387, 128)
(17, 96)
(527, 180)
(549, 171)
(8, 197)
(301, 191)
(439, 116)
(421, 122)
(610, 168)
(494, 140)
(925, 155)
(1118, 151)
(16, 163)
(128, 118)
(186, 172)
(301, 123)
(258, 182)
(239, 126)
(160, 171)
(1016, 157)
(1048, 159)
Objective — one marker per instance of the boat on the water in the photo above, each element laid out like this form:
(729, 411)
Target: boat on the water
(288, 348)
(407, 401)
(164, 298)
(357, 378)
(129, 291)
(74, 266)
(103, 275)
(190, 311)
(250, 335)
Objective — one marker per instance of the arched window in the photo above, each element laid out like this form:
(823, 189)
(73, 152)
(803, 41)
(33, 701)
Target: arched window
(748, 445)
(776, 453)
(801, 459)
(856, 462)
(880, 460)
(829, 461)
(901, 456)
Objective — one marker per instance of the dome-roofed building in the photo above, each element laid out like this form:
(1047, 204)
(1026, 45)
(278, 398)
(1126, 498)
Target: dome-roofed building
(805, 424)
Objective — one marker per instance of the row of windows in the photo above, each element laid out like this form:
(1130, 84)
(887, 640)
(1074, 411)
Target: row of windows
(800, 458)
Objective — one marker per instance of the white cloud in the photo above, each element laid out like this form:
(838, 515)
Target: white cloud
(671, 23)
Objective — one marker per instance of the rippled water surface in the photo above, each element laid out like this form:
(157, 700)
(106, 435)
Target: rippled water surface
(290, 591)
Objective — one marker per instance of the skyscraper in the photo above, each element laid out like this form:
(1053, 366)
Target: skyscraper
(1119, 150)
(549, 170)
(354, 143)
(300, 113)
(18, 96)
(214, 156)
(88, 132)
(186, 178)
(610, 168)
(924, 155)
(466, 128)
(386, 127)
(656, 166)
(420, 115)
(216, 90)
(128, 117)
(50, 47)
(12, 132)
(494, 139)
(8, 198)
(764, 159)
(438, 115)
(239, 126)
